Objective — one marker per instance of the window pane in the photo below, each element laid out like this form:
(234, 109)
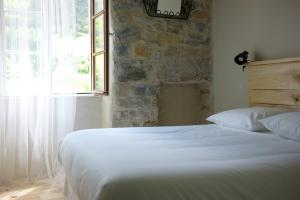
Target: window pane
(74, 51)
(22, 73)
(34, 32)
(35, 66)
(82, 79)
(23, 5)
(22, 32)
(98, 6)
(98, 34)
(70, 52)
(82, 17)
(11, 66)
(71, 74)
(64, 80)
(99, 70)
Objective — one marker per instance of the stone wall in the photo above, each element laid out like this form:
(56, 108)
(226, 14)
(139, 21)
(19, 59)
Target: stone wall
(148, 51)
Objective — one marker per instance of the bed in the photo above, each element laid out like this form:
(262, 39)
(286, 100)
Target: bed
(206, 162)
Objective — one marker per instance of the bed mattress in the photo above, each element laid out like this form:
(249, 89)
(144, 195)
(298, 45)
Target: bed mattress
(204, 162)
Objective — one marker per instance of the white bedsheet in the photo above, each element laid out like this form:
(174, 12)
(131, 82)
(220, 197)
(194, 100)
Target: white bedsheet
(203, 162)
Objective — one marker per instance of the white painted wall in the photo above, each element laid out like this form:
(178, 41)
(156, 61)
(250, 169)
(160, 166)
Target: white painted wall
(268, 29)
(88, 112)
(92, 112)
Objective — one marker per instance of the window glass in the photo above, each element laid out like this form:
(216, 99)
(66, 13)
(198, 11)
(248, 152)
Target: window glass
(99, 72)
(98, 6)
(29, 43)
(99, 34)
(23, 5)
(78, 47)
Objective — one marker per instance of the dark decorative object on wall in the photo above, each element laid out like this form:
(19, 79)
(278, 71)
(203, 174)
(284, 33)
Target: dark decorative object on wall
(242, 59)
(151, 9)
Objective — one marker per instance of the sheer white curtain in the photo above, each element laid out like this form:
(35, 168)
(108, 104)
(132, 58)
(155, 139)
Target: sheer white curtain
(35, 38)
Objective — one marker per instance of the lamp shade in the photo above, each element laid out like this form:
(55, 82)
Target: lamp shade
(242, 59)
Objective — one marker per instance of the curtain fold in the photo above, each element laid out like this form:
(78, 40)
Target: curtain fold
(34, 39)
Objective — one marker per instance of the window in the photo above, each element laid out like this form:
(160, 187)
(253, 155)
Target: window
(99, 30)
(64, 42)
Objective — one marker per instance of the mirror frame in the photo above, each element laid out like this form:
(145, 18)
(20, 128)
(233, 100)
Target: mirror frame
(151, 9)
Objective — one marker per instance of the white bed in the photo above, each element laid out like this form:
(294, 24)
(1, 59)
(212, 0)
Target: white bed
(204, 162)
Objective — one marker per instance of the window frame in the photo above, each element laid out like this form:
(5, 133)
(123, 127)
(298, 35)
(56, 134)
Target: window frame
(93, 15)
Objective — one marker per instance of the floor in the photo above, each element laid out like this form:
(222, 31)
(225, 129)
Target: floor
(38, 191)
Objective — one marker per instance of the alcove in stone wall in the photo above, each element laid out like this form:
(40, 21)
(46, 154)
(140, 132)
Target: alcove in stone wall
(179, 104)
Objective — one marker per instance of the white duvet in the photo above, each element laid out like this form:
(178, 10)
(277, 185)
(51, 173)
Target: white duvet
(203, 162)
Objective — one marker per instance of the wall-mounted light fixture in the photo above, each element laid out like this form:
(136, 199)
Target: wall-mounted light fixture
(174, 9)
(242, 59)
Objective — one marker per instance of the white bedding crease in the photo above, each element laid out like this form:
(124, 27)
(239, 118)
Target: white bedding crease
(173, 163)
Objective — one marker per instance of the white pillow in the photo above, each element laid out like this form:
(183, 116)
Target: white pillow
(286, 125)
(244, 118)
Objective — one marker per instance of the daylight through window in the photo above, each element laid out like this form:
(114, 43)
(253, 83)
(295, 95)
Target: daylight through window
(66, 44)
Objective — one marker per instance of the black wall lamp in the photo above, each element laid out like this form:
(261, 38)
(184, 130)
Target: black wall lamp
(242, 59)
(181, 8)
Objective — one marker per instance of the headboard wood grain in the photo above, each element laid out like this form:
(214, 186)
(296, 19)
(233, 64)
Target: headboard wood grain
(275, 83)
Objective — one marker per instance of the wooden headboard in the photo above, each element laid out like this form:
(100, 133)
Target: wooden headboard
(275, 83)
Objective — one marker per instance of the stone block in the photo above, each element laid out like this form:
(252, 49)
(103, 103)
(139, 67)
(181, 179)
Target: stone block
(145, 90)
(121, 50)
(141, 52)
(127, 33)
(130, 73)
